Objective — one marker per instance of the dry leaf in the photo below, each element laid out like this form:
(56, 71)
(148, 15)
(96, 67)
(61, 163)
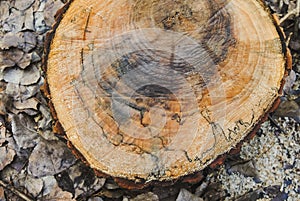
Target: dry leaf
(84, 179)
(20, 92)
(51, 7)
(49, 158)
(23, 5)
(6, 156)
(288, 108)
(23, 128)
(185, 195)
(146, 197)
(33, 185)
(31, 103)
(28, 76)
(52, 192)
(11, 57)
(2, 195)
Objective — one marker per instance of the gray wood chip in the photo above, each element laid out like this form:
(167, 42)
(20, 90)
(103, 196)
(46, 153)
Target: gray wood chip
(49, 158)
(6, 156)
(15, 75)
(24, 133)
(185, 195)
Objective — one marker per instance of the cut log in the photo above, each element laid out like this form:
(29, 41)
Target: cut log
(156, 90)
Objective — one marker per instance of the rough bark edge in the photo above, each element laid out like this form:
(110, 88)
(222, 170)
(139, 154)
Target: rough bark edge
(195, 177)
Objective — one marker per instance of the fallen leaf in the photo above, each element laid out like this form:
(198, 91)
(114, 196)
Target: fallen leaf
(6, 156)
(20, 92)
(289, 82)
(251, 196)
(15, 75)
(23, 129)
(33, 185)
(288, 108)
(146, 197)
(14, 22)
(84, 179)
(52, 192)
(11, 57)
(185, 195)
(49, 158)
(31, 103)
(2, 195)
(51, 7)
(25, 60)
(244, 167)
(214, 192)
(23, 5)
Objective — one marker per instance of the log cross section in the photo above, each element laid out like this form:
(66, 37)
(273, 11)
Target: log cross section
(155, 90)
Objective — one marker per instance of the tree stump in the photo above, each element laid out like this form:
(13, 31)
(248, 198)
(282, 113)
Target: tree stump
(156, 90)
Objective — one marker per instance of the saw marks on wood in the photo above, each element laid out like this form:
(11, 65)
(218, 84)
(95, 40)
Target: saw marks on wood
(156, 90)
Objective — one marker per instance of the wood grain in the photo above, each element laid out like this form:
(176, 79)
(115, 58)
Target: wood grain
(155, 90)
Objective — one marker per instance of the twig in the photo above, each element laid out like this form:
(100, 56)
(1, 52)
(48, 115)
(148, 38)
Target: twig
(15, 191)
(277, 125)
(295, 11)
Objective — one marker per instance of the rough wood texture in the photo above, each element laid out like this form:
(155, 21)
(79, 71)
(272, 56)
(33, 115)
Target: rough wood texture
(155, 90)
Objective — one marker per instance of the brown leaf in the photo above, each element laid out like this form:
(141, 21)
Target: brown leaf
(6, 156)
(2, 195)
